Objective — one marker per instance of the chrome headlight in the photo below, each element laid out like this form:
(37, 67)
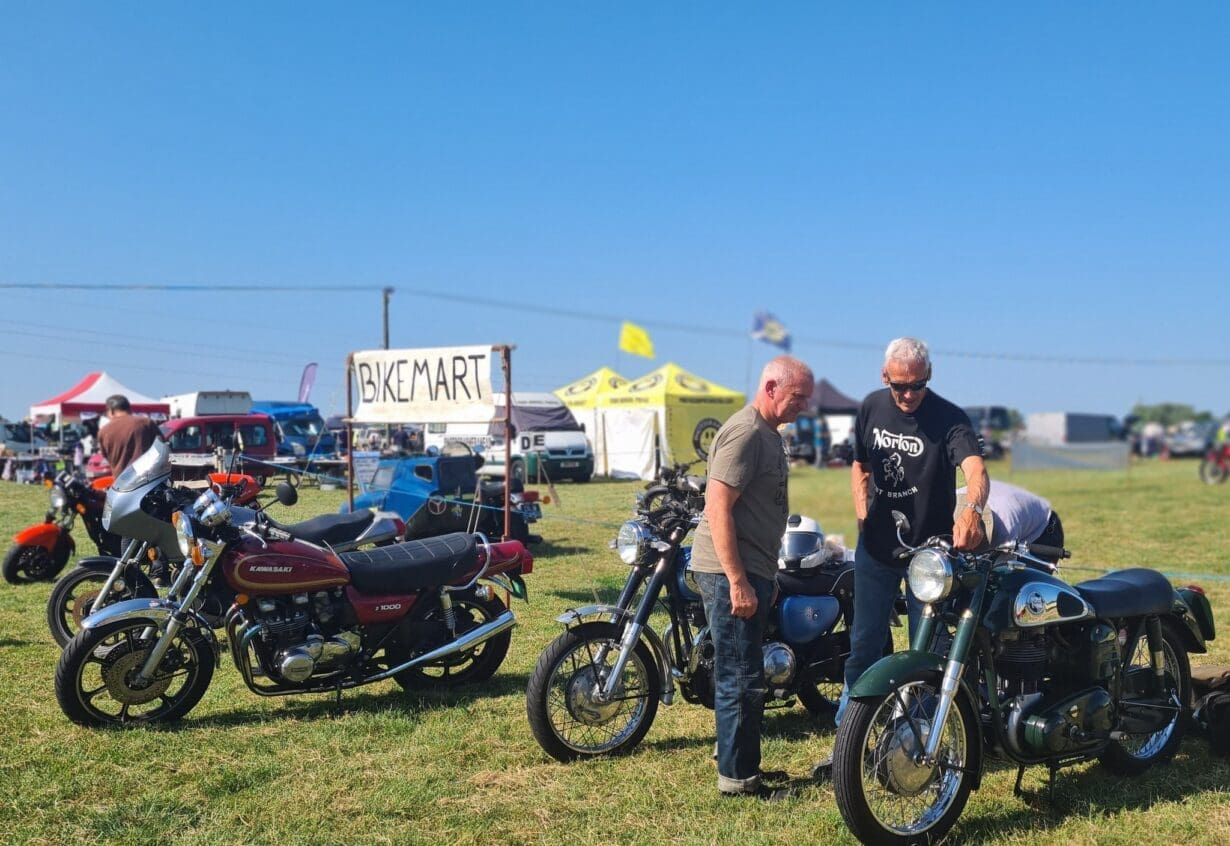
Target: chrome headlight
(184, 534)
(930, 575)
(632, 542)
(59, 499)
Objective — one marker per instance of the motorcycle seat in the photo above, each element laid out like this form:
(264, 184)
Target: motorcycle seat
(411, 565)
(1128, 593)
(495, 490)
(328, 528)
(817, 581)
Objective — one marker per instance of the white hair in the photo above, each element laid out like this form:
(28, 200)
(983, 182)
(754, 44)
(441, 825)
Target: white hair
(786, 369)
(908, 351)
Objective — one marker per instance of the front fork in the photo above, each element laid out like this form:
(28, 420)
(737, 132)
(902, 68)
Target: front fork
(179, 618)
(950, 684)
(130, 553)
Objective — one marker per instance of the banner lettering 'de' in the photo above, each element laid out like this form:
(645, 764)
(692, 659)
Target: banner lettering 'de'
(436, 385)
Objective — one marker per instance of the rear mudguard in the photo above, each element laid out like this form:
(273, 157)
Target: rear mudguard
(158, 611)
(882, 676)
(44, 534)
(1193, 609)
(610, 614)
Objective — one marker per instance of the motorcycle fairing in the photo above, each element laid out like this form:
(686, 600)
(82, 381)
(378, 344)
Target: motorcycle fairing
(42, 534)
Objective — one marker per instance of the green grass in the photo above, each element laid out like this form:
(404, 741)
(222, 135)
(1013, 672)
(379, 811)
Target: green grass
(462, 768)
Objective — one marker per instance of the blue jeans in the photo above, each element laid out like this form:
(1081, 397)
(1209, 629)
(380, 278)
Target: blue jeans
(738, 679)
(875, 590)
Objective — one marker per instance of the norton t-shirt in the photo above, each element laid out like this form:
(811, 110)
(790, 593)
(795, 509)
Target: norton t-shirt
(913, 460)
(747, 454)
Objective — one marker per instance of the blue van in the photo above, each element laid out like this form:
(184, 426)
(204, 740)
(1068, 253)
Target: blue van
(300, 428)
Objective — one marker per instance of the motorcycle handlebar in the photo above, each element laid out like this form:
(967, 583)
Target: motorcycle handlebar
(1044, 551)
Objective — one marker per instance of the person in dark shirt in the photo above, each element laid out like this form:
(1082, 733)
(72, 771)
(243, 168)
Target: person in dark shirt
(908, 443)
(126, 436)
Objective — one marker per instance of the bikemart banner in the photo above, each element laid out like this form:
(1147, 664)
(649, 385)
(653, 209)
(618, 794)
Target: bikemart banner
(438, 385)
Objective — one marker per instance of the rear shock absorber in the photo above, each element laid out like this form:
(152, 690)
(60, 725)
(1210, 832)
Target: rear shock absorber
(450, 614)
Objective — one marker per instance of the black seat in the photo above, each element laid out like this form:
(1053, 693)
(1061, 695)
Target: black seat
(409, 566)
(1128, 593)
(328, 528)
(817, 581)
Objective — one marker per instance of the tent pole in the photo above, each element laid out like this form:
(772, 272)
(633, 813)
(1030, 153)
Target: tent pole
(506, 363)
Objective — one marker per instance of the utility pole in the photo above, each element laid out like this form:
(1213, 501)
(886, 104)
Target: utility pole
(388, 292)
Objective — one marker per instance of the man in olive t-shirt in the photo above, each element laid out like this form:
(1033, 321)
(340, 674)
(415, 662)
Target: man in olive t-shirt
(734, 557)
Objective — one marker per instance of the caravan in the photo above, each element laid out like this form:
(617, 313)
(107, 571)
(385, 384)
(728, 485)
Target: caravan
(547, 442)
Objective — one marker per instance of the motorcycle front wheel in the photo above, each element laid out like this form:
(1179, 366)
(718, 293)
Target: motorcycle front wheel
(1212, 472)
(28, 563)
(95, 678)
(568, 719)
(73, 596)
(467, 667)
(883, 795)
(1132, 754)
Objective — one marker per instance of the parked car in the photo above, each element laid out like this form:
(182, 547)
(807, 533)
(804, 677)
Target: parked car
(1190, 438)
(195, 440)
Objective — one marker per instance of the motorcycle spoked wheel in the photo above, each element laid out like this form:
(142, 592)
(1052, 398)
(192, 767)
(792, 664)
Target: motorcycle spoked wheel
(564, 717)
(28, 563)
(94, 678)
(884, 797)
(1134, 754)
(1212, 472)
(468, 667)
(73, 596)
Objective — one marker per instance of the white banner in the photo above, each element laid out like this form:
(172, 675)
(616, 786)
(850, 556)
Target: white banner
(438, 385)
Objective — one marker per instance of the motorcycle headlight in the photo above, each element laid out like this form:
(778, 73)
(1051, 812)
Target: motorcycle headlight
(59, 499)
(930, 575)
(184, 534)
(632, 542)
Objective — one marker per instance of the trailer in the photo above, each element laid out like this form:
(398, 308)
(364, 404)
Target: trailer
(1066, 427)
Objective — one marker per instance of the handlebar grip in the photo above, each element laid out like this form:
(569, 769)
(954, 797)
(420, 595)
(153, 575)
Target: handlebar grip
(1044, 551)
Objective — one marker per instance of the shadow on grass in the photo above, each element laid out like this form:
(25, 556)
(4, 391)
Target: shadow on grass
(602, 594)
(12, 641)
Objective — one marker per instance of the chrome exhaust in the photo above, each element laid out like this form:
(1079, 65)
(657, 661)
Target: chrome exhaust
(470, 639)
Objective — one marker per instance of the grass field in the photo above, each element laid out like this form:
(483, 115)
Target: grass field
(462, 768)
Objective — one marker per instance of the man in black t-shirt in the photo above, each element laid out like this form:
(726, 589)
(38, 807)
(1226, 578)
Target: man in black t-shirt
(908, 444)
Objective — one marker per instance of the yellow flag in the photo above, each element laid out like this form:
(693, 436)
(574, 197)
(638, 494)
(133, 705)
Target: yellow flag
(633, 339)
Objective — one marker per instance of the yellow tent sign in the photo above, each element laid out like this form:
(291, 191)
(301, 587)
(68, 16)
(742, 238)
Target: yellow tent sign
(589, 391)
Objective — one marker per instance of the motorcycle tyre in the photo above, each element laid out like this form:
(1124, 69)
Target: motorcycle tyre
(847, 770)
(61, 594)
(81, 647)
(27, 563)
(538, 691)
(492, 654)
(1212, 472)
(1121, 762)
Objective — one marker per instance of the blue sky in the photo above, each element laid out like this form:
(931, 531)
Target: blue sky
(1039, 191)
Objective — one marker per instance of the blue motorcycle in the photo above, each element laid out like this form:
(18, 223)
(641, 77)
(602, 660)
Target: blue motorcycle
(595, 689)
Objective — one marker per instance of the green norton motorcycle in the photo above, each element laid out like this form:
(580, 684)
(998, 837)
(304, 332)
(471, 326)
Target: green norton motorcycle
(1010, 657)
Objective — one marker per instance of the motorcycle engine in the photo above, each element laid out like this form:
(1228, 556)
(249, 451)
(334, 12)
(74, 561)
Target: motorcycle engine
(300, 635)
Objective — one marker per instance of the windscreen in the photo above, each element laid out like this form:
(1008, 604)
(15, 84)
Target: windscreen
(154, 463)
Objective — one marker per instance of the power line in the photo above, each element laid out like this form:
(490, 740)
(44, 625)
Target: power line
(608, 318)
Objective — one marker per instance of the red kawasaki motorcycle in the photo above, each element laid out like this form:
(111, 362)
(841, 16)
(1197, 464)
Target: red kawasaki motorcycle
(1215, 466)
(305, 619)
(41, 551)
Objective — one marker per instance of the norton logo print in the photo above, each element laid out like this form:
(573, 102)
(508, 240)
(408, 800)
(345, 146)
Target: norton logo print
(893, 467)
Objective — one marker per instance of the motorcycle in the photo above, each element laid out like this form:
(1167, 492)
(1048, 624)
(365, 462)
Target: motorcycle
(41, 551)
(145, 513)
(595, 689)
(304, 619)
(1215, 466)
(1044, 672)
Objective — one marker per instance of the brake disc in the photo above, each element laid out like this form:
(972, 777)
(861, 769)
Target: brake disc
(117, 675)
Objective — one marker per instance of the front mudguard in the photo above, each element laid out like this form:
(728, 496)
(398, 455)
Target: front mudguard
(46, 535)
(155, 609)
(884, 675)
(613, 614)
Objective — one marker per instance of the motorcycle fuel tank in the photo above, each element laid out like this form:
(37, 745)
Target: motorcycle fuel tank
(282, 567)
(802, 619)
(1029, 598)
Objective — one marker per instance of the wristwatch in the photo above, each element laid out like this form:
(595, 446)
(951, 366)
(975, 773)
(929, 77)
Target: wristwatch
(976, 507)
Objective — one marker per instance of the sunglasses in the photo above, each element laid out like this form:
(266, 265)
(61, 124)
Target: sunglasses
(902, 387)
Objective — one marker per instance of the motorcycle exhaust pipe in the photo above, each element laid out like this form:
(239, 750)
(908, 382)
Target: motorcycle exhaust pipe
(469, 640)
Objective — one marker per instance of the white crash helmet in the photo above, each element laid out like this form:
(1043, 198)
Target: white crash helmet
(802, 545)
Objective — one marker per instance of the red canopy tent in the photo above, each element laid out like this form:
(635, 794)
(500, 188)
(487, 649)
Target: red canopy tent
(90, 396)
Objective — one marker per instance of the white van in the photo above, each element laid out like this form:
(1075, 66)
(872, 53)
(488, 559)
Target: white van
(548, 443)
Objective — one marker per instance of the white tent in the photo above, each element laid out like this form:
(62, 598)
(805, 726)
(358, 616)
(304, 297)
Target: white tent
(90, 396)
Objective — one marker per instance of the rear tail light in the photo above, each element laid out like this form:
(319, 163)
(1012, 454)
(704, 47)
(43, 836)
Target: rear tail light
(529, 496)
(1197, 588)
(400, 527)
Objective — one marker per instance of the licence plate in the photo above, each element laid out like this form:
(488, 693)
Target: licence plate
(531, 511)
(567, 465)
